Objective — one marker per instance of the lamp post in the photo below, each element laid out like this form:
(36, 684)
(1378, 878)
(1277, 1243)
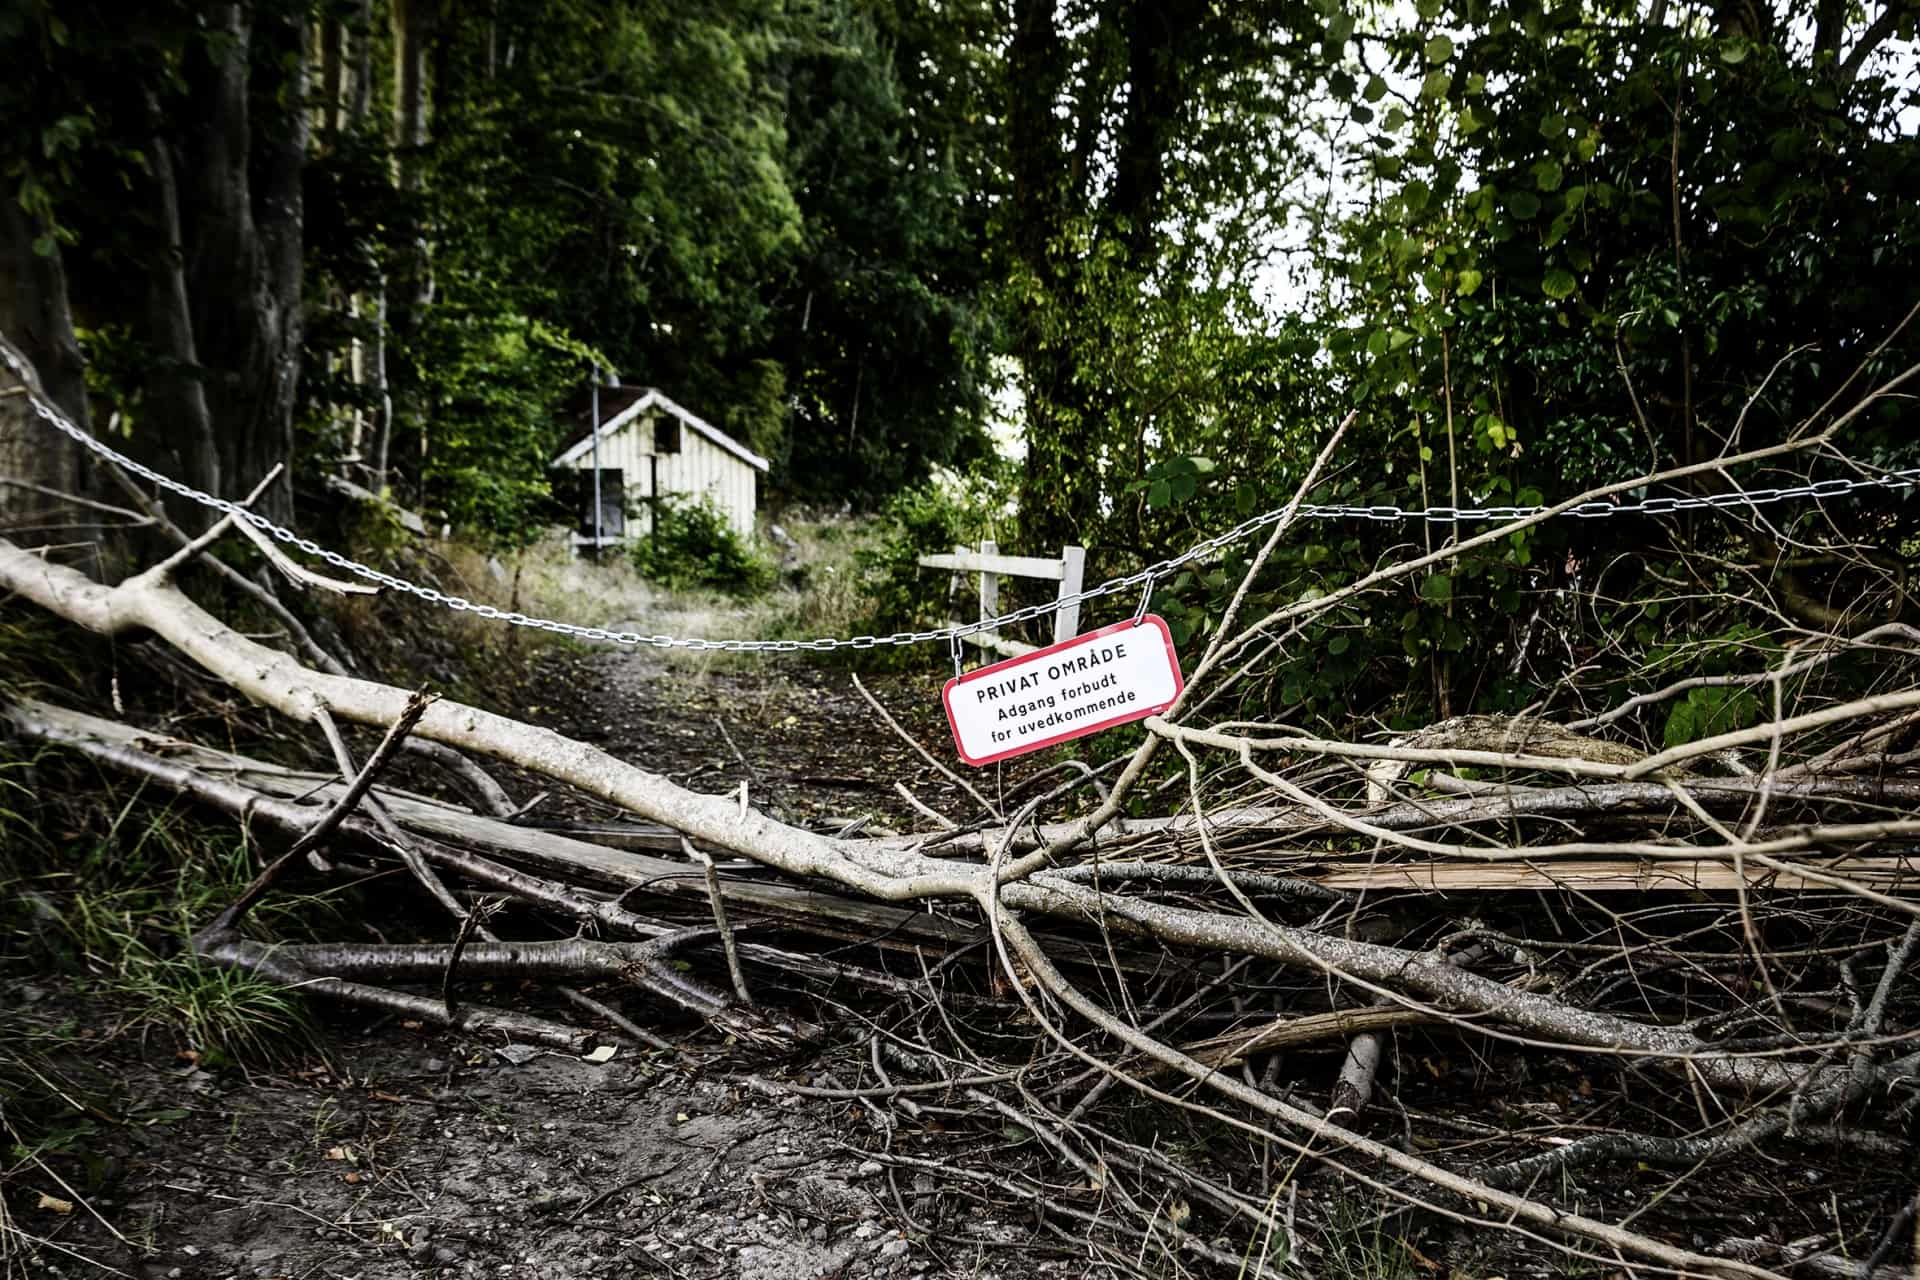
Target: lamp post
(595, 428)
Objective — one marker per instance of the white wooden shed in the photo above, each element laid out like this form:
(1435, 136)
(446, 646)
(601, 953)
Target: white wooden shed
(650, 446)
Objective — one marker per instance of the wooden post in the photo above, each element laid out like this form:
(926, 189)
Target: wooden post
(989, 588)
(1066, 619)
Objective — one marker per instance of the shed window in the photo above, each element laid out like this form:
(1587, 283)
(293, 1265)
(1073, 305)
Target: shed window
(613, 504)
(666, 434)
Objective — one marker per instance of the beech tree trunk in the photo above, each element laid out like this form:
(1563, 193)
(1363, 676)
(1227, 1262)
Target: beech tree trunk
(34, 313)
(241, 213)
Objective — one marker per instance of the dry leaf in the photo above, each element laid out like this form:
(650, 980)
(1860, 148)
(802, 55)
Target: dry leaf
(55, 1204)
(603, 1054)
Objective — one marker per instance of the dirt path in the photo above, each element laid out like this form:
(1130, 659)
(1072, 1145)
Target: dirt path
(397, 1151)
(807, 744)
(408, 1154)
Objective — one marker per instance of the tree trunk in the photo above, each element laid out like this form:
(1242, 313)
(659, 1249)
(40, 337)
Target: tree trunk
(245, 146)
(332, 105)
(1060, 490)
(34, 314)
(408, 287)
(176, 384)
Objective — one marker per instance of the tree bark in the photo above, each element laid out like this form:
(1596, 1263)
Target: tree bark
(35, 314)
(177, 384)
(242, 213)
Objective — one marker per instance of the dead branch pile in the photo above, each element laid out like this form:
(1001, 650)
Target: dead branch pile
(1055, 964)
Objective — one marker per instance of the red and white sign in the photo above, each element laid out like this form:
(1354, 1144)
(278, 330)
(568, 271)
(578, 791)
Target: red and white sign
(1109, 677)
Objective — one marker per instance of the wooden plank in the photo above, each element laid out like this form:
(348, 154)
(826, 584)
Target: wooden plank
(989, 588)
(993, 562)
(1066, 619)
(997, 644)
(1614, 875)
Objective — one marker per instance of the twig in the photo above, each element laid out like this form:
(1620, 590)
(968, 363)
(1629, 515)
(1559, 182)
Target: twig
(886, 717)
(329, 821)
(720, 921)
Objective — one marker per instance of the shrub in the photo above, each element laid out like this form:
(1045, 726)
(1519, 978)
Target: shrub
(692, 545)
(946, 511)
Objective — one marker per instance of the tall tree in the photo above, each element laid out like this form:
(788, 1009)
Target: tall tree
(1130, 128)
(877, 316)
(188, 130)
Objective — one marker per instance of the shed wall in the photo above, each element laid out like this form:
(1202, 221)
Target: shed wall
(701, 468)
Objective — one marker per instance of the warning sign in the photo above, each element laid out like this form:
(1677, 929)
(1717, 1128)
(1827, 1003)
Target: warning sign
(1109, 677)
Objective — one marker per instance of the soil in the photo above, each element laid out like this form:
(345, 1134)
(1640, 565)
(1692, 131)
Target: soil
(408, 1154)
(397, 1151)
(809, 747)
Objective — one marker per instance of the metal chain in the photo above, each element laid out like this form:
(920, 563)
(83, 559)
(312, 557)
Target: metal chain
(1143, 578)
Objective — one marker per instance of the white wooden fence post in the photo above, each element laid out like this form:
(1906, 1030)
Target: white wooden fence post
(1068, 570)
(989, 588)
(1066, 619)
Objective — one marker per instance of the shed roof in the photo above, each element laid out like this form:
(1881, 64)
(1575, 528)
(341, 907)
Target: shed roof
(620, 406)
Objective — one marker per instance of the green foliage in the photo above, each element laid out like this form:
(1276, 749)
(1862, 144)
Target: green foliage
(878, 321)
(692, 546)
(1515, 308)
(734, 201)
(111, 905)
(947, 511)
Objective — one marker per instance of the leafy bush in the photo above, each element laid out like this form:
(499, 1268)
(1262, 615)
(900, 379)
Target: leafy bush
(946, 511)
(692, 545)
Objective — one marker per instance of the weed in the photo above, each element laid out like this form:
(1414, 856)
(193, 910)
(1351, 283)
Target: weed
(115, 903)
(1356, 1245)
(223, 1014)
(692, 545)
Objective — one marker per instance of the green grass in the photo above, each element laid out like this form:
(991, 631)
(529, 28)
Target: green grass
(109, 901)
(1356, 1245)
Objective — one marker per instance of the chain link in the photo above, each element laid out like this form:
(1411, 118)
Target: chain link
(1159, 572)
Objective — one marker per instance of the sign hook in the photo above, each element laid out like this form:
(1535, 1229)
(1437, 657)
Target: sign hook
(953, 646)
(1146, 595)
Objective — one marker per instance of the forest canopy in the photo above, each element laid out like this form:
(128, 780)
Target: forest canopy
(1539, 246)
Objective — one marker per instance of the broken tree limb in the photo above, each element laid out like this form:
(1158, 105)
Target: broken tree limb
(329, 821)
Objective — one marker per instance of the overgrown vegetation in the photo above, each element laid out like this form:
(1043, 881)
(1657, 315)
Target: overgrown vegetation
(1520, 250)
(690, 544)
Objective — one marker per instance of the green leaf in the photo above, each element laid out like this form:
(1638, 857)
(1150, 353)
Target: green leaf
(1681, 727)
(1559, 284)
(1159, 494)
(1522, 204)
(1547, 174)
(1376, 89)
(1439, 49)
(1340, 28)
(1435, 85)
(1437, 589)
(1339, 644)
(1734, 52)
(1377, 343)
(1469, 281)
